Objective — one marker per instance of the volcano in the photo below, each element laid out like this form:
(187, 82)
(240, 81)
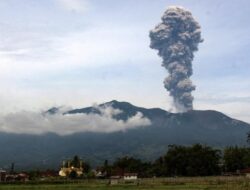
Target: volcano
(148, 143)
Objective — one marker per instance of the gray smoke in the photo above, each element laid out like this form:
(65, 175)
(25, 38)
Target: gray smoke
(176, 38)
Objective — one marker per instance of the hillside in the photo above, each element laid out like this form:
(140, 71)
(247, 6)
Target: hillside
(47, 150)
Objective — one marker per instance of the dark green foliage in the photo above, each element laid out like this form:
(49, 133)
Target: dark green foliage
(34, 174)
(76, 162)
(131, 165)
(128, 164)
(196, 160)
(236, 158)
(86, 167)
(106, 169)
(160, 167)
(73, 174)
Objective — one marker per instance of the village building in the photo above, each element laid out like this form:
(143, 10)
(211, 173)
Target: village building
(130, 176)
(49, 174)
(114, 180)
(99, 174)
(126, 177)
(72, 166)
(2, 175)
(23, 177)
(245, 172)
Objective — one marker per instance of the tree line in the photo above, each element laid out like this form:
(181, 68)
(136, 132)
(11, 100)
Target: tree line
(195, 160)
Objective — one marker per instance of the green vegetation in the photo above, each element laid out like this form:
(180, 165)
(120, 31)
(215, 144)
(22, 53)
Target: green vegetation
(196, 160)
(236, 158)
(197, 183)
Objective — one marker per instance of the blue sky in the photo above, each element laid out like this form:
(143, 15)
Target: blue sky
(80, 52)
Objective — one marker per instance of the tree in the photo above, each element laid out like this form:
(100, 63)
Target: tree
(203, 161)
(131, 165)
(159, 167)
(176, 160)
(86, 167)
(106, 169)
(75, 162)
(236, 158)
(196, 160)
(73, 174)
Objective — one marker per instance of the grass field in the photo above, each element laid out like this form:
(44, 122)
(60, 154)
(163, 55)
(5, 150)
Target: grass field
(208, 183)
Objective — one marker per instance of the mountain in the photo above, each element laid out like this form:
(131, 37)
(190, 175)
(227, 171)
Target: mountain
(149, 142)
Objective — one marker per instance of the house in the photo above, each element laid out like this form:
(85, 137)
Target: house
(10, 178)
(130, 176)
(23, 177)
(49, 174)
(2, 175)
(114, 180)
(245, 172)
(100, 174)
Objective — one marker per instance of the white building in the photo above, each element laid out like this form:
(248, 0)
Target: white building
(130, 176)
(66, 170)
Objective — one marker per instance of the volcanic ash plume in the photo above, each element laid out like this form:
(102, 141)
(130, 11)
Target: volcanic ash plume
(176, 38)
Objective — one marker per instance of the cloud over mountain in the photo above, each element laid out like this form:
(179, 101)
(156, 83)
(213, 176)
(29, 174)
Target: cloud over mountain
(58, 122)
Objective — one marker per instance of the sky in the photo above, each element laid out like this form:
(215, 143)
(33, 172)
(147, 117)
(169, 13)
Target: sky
(80, 52)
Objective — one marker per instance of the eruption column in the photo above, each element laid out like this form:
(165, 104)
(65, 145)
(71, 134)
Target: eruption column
(176, 38)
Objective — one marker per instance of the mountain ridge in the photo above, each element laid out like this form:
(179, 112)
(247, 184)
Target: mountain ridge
(208, 127)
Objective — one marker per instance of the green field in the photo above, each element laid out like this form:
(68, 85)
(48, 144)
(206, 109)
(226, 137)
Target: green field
(168, 187)
(209, 183)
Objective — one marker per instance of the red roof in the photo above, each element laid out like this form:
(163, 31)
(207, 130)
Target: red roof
(244, 171)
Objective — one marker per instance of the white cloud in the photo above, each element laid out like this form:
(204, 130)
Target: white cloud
(79, 6)
(105, 45)
(37, 123)
(235, 107)
(94, 47)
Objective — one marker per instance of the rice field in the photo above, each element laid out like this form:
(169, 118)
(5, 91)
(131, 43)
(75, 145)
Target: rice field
(202, 183)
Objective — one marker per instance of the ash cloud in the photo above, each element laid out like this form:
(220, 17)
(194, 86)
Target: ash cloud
(176, 38)
(66, 124)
